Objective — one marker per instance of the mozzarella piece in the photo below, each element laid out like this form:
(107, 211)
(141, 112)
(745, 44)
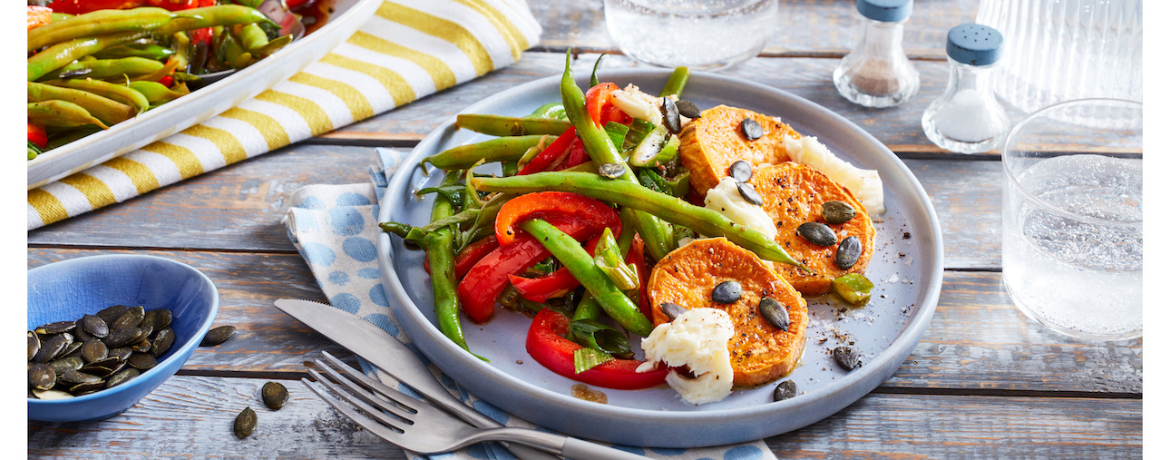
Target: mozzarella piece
(725, 199)
(697, 339)
(864, 183)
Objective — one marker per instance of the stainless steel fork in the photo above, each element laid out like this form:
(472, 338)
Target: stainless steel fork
(415, 425)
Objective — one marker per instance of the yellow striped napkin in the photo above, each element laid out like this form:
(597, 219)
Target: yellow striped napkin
(409, 49)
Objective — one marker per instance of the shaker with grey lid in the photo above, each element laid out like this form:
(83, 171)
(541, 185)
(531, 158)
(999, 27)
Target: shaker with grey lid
(877, 72)
(967, 118)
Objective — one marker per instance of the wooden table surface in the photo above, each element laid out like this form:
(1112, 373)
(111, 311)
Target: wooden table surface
(984, 382)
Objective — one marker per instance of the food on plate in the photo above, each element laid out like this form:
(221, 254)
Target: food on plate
(627, 222)
(761, 350)
(93, 64)
(709, 145)
(794, 196)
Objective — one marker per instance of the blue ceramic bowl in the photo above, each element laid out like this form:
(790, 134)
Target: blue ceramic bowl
(69, 289)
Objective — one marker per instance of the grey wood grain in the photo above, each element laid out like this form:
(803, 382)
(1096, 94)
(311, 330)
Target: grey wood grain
(192, 417)
(978, 342)
(900, 128)
(804, 28)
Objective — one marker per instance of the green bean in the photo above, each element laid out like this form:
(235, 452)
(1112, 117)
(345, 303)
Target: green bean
(552, 110)
(671, 209)
(61, 54)
(441, 255)
(485, 222)
(61, 114)
(676, 82)
(588, 309)
(57, 17)
(32, 153)
(70, 135)
(498, 125)
(182, 46)
(155, 92)
(273, 46)
(395, 228)
(97, 23)
(581, 265)
(104, 109)
(252, 37)
(148, 51)
(509, 168)
(499, 149)
(600, 148)
(120, 93)
(105, 68)
(211, 16)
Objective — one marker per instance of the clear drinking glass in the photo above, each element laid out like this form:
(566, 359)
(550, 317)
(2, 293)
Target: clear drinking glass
(1072, 218)
(1060, 50)
(699, 34)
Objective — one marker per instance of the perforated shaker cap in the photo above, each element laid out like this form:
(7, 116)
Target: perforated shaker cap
(974, 44)
(885, 10)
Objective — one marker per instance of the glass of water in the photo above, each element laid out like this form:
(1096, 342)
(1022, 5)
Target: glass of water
(699, 34)
(1072, 218)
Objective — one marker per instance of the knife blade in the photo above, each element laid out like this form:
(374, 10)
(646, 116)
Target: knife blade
(384, 351)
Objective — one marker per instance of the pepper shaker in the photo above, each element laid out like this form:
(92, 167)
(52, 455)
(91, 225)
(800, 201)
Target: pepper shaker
(967, 118)
(877, 72)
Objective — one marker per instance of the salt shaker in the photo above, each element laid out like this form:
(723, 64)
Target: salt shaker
(968, 118)
(877, 72)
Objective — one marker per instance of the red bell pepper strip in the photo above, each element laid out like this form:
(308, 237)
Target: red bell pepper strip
(487, 278)
(553, 152)
(473, 253)
(554, 284)
(597, 98)
(39, 16)
(547, 346)
(613, 113)
(550, 204)
(638, 258)
(36, 135)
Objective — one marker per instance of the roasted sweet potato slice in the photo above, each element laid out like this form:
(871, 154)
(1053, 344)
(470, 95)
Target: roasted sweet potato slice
(760, 352)
(793, 194)
(709, 145)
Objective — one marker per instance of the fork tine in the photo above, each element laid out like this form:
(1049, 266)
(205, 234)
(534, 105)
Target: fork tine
(378, 429)
(367, 382)
(397, 406)
(404, 418)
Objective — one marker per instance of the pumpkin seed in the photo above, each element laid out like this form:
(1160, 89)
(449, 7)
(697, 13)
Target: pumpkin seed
(672, 310)
(121, 377)
(751, 129)
(727, 292)
(52, 347)
(132, 318)
(848, 252)
(72, 349)
(34, 345)
(64, 365)
(688, 109)
(245, 423)
(142, 361)
(837, 212)
(749, 194)
(95, 325)
(80, 335)
(612, 170)
(141, 346)
(162, 319)
(120, 353)
(817, 233)
(51, 394)
(741, 171)
(41, 377)
(122, 336)
(82, 389)
(79, 377)
(774, 312)
(670, 115)
(847, 358)
(218, 335)
(55, 328)
(274, 395)
(109, 315)
(94, 350)
(162, 342)
(784, 390)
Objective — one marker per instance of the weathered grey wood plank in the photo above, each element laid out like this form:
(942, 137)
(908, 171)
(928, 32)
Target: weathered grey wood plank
(192, 417)
(977, 341)
(822, 28)
(900, 128)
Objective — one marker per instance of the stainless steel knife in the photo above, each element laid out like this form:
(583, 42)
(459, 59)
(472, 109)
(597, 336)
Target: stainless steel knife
(383, 350)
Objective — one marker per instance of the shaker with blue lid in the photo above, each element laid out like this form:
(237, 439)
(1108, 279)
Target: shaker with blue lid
(967, 118)
(877, 72)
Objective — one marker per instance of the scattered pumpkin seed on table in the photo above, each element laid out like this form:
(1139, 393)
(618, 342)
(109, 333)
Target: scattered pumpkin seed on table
(274, 395)
(245, 423)
(217, 336)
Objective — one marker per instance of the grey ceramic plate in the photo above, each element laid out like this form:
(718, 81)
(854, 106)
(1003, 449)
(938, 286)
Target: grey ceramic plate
(907, 272)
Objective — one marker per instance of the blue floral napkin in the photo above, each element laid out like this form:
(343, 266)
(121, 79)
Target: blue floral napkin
(335, 228)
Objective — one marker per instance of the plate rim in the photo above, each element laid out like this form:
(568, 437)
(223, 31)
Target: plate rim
(846, 390)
